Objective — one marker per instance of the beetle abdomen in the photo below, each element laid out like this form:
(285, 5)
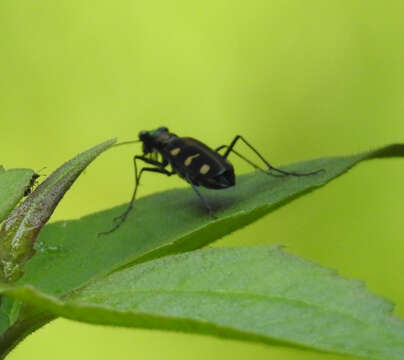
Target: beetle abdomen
(199, 164)
(221, 181)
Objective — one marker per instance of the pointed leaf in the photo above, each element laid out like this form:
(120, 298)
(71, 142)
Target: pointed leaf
(21, 228)
(71, 254)
(249, 293)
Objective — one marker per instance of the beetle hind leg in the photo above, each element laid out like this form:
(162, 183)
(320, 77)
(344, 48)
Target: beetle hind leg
(230, 148)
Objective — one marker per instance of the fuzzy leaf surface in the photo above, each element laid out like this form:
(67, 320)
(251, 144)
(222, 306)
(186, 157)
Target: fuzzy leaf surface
(249, 293)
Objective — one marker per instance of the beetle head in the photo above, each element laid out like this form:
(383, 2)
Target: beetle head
(152, 138)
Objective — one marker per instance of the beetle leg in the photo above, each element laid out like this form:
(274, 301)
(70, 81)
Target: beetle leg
(270, 167)
(151, 161)
(158, 169)
(255, 166)
(205, 202)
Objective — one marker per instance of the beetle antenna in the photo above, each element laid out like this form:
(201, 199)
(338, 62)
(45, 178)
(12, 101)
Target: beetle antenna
(127, 142)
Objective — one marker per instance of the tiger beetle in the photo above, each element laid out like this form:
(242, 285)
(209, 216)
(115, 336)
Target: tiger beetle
(193, 161)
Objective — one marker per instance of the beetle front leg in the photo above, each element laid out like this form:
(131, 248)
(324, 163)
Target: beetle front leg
(158, 169)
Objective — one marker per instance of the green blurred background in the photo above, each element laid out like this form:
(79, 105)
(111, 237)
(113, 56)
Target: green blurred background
(300, 79)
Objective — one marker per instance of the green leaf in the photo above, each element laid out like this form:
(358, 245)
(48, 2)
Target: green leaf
(17, 237)
(249, 293)
(21, 228)
(9, 312)
(70, 253)
(13, 184)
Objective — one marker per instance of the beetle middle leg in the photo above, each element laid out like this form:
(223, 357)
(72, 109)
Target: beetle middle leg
(230, 148)
(205, 202)
(159, 168)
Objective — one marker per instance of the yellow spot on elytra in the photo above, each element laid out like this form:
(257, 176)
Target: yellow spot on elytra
(204, 169)
(189, 159)
(175, 152)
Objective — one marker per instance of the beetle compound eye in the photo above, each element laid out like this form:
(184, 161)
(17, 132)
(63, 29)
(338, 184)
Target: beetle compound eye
(142, 135)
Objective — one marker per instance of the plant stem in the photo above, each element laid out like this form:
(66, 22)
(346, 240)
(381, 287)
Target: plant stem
(29, 321)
